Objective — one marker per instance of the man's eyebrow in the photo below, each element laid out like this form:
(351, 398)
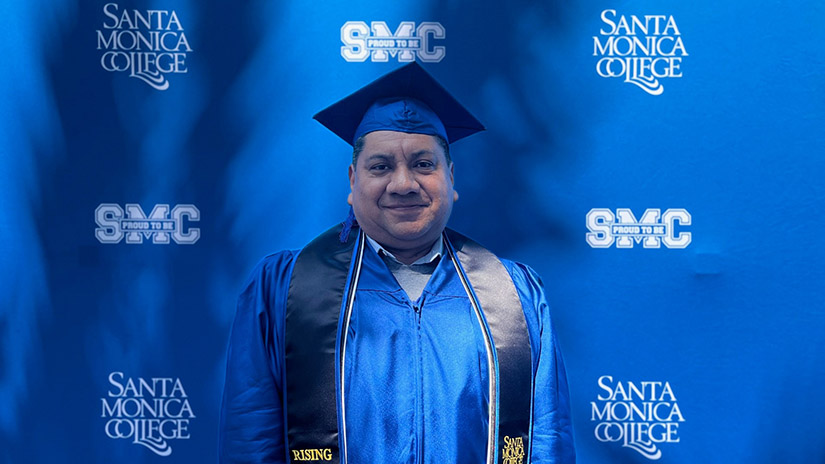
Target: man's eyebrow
(380, 157)
(421, 153)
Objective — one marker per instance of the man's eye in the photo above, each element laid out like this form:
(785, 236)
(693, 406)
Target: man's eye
(424, 164)
(379, 167)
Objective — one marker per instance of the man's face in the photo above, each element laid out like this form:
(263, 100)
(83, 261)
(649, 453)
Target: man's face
(402, 189)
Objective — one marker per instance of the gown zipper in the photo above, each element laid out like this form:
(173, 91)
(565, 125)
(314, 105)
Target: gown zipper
(419, 387)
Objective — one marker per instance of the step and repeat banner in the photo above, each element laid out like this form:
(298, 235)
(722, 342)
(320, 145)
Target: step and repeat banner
(659, 163)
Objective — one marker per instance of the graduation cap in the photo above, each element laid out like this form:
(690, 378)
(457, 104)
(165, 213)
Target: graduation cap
(405, 100)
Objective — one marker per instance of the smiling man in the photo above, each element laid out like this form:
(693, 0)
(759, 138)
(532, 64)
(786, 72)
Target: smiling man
(402, 191)
(391, 338)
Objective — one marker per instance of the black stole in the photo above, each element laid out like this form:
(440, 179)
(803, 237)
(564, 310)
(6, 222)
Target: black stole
(320, 297)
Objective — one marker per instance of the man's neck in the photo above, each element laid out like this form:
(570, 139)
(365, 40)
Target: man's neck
(408, 256)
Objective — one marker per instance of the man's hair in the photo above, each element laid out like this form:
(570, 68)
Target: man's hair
(358, 147)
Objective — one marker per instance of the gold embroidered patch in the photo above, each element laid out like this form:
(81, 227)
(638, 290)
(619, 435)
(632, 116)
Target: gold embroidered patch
(312, 454)
(513, 452)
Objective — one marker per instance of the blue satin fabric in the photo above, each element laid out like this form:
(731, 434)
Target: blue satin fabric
(415, 377)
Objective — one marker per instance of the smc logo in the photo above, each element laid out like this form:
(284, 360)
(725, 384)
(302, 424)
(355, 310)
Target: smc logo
(623, 229)
(161, 225)
(407, 42)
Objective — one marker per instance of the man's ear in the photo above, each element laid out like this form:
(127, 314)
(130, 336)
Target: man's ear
(351, 174)
(452, 181)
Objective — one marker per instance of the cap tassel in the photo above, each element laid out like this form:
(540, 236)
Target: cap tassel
(347, 226)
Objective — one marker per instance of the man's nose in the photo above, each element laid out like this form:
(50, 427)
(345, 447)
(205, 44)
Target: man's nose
(403, 182)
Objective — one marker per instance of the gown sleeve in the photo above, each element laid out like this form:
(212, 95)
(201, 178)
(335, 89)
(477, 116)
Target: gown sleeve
(252, 416)
(552, 431)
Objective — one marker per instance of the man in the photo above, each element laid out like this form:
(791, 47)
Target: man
(389, 338)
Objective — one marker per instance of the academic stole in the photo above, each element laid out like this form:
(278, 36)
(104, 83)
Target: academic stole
(319, 305)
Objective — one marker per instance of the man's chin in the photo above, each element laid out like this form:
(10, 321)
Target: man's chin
(408, 236)
(411, 235)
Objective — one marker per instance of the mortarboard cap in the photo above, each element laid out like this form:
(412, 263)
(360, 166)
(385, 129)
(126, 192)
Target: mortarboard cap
(405, 100)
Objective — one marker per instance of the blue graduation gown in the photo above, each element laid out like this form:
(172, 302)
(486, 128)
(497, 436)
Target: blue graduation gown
(416, 371)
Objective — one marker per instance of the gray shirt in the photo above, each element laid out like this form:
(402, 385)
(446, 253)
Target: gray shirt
(411, 277)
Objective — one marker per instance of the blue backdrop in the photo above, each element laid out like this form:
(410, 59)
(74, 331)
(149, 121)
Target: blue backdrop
(659, 163)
